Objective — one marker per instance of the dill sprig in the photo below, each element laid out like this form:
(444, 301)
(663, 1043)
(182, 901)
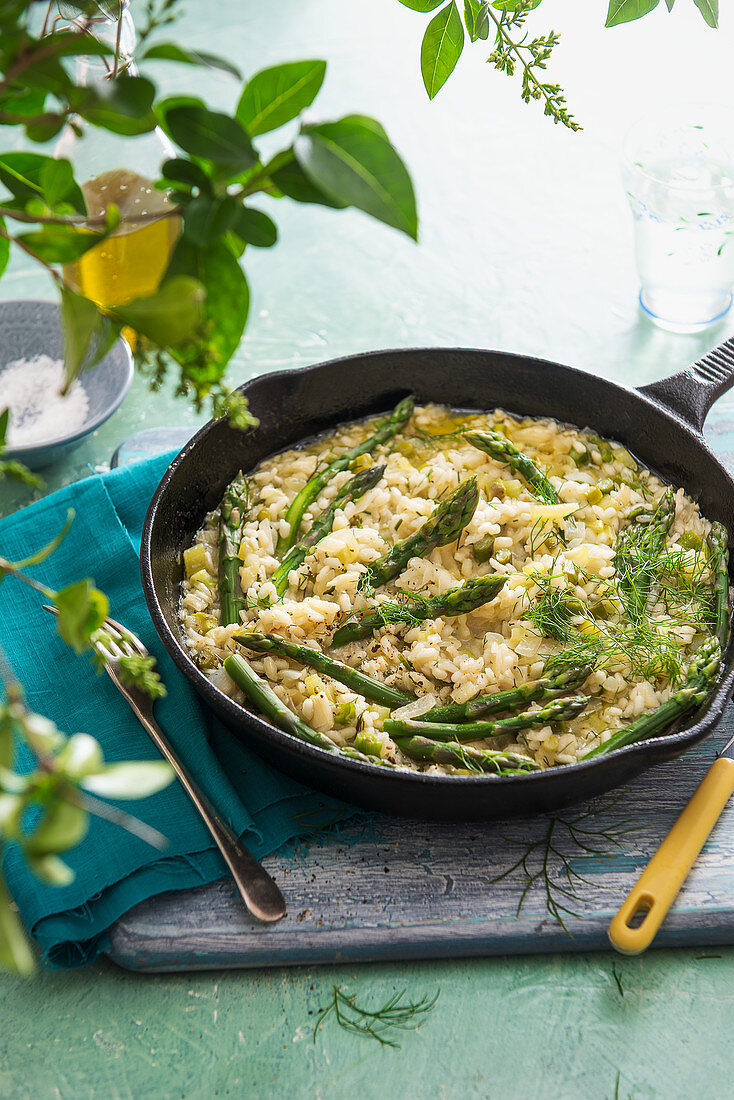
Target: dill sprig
(397, 1014)
(547, 861)
(532, 56)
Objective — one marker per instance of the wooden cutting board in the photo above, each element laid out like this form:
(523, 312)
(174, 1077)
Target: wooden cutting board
(395, 889)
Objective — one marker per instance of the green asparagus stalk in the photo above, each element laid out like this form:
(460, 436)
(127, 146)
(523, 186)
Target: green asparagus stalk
(562, 710)
(443, 526)
(353, 489)
(465, 756)
(386, 429)
(351, 677)
(235, 504)
(719, 544)
(499, 447)
(457, 601)
(637, 554)
(546, 688)
(265, 699)
(701, 675)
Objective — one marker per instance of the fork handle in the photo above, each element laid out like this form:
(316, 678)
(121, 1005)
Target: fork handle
(259, 892)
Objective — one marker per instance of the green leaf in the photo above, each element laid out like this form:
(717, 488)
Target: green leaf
(136, 779)
(420, 5)
(123, 106)
(513, 5)
(441, 48)
(88, 334)
(225, 307)
(10, 468)
(207, 218)
(170, 316)
(169, 51)
(355, 164)
(212, 135)
(275, 96)
(476, 19)
(4, 418)
(29, 175)
(15, 952)
(61, 827)
(293, 182)
(80, 756)
(57, 182)
(624, 11)
(4, 257)
(669, 4)
(186, 172)
(60, 244)
(255, 228)
(82, 610)
(709, 9)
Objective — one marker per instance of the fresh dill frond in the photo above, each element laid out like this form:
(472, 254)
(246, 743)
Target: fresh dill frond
(547, 862)
(397, 1014)
(398, 611)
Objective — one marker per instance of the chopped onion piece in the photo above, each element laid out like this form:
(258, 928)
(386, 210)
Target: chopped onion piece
(551, 511)
(415, 709)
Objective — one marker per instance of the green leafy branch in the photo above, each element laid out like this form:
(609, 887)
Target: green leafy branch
(62, 789)
(197, 315)
(444, 37)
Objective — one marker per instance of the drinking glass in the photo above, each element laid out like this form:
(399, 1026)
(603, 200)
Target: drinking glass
(678, 172)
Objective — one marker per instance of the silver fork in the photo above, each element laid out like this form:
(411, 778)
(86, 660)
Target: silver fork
(259, 893)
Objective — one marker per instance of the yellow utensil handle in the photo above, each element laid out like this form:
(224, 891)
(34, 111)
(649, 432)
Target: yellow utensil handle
(657, 887)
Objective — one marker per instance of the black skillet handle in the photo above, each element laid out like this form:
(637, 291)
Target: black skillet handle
(691, 393)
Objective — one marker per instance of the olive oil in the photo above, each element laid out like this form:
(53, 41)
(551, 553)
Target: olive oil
(130, 263)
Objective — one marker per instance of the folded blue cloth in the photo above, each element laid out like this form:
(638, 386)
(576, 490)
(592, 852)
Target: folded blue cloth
(114, 870)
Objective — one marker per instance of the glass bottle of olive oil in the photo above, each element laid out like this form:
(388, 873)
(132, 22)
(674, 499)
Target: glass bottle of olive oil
(130, 263)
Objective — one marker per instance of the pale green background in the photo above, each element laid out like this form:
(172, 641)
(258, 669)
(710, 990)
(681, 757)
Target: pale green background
(526, 246)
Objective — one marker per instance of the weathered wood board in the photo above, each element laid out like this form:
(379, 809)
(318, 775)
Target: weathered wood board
(405, 889)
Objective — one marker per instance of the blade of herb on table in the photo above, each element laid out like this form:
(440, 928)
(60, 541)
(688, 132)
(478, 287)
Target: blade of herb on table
(701, 676)
(534, 691)
(498, 446)
(386, 429)
(353, 489)
(235, 503)
(265, 699)
(461, 600)
(561, 710)
(443, 526)
(352, 678)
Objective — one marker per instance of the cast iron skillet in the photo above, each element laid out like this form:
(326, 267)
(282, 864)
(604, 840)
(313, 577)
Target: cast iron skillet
(661, 424)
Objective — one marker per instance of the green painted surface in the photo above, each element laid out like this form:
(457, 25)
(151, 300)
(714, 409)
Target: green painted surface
(525, 245)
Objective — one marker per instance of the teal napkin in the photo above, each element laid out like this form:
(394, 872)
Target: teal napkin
(114, 870)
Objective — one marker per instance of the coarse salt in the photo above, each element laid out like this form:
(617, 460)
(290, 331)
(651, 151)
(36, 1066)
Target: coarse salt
(39, 412)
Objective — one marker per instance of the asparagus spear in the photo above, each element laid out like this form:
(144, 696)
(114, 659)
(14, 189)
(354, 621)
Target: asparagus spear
(457, 601)
(235, 503)
(464, 756)
(563, 710)
(547, 687)
(701, 675)
(265, 699)
(351, 677)
(444, 525)
(499, 447)
(638, 551)
(719, 544)
(353, 489)
(386, 429)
